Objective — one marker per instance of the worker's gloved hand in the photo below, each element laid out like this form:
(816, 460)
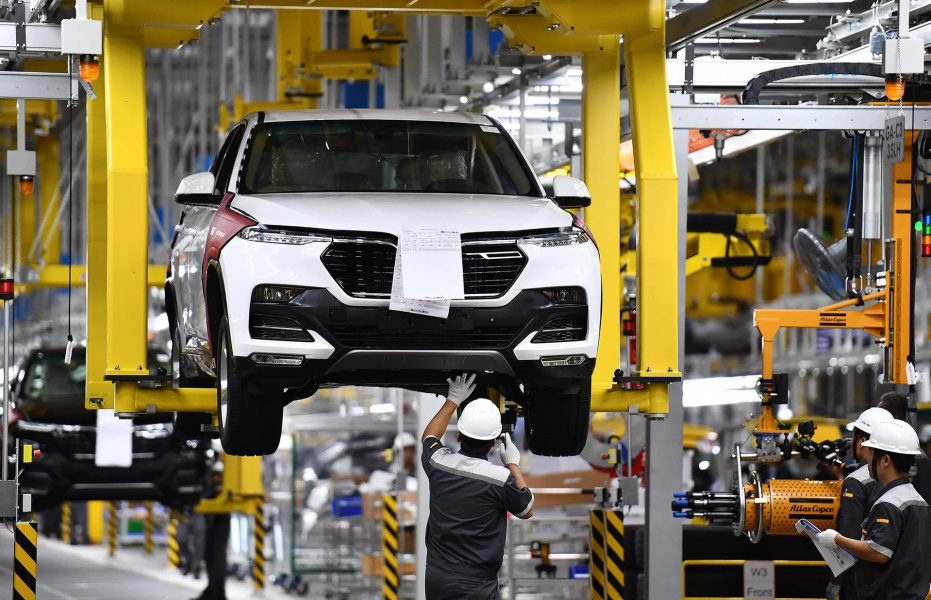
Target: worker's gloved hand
(827, 538)
(832, 592)
(508, 452)
(460, 388)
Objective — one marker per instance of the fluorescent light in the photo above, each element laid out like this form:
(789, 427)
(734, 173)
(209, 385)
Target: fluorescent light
(382, 408)
(547, 57)
(541, 100)
(464, 99)
(574, 72)
(727, 41)
(488, 88)
(717, 391)
(515, 71)
(771, 21)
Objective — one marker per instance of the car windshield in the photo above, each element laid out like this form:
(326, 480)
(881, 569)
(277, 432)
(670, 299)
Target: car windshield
(384, 156)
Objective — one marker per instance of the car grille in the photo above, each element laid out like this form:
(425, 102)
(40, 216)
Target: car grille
(82, 444)
(561, 330)
(481, 338)
(363, 268)
(271, 327)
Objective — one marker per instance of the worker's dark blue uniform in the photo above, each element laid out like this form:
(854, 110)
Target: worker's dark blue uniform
(466, 531)
(898, 526)
(857, 496)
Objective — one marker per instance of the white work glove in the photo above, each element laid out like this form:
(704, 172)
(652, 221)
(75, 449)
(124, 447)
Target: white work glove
(460, 388)
(508, 452)
(827, 538)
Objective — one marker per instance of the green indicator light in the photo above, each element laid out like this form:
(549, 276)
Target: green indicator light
(917, 225)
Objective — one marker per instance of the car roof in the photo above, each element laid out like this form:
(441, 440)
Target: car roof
(278, 116)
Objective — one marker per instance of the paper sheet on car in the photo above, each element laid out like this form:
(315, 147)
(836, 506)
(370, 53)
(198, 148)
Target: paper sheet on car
(432, 267)
(398, 302)
(837, 558)
(114, 440)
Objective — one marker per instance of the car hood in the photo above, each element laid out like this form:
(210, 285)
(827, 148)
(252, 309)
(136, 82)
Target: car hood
(393, 212)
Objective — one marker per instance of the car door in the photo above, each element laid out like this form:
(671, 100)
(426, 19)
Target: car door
(187, 254)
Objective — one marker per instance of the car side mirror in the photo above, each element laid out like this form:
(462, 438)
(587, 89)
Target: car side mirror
(569, 192)
(198, 189)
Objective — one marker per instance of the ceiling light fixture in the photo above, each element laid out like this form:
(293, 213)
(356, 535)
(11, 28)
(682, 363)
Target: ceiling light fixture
(728, 41)
(515, 71)
(771, 21)
(488, 88)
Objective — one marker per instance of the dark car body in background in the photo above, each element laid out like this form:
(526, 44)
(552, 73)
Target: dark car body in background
(49, 399)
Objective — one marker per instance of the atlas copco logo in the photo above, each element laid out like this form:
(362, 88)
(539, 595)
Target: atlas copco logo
(832, 319)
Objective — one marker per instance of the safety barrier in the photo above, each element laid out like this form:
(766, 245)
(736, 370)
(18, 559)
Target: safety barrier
(389, 548)
(174, 550)
(606, 560)
(25, 542)
(149, 526)
(66, 522)
(258, 561)
(687, 565)
(112, 527)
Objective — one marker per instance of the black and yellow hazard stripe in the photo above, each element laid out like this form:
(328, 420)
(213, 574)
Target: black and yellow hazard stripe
(112, 527)
(614, 555)
(596, 560)
(389, 548)
(174, 550)
(66, 522)
(149, 526)
(258, 560)
(25, 554)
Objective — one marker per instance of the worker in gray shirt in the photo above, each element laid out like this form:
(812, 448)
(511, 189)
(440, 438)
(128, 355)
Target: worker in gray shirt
(469, 498)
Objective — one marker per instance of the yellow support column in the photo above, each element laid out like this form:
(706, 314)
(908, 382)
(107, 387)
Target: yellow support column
(601, 134)
(391, 572)
(25, 556)
(127, 205)
(99, 393)
(657, 240)
(596, 555)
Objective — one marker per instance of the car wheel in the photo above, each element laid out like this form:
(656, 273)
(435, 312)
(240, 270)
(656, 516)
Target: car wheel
(249, 426)
(557, 422)
(187, 425)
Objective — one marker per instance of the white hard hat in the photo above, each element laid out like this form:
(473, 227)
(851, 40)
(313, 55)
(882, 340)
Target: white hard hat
(870, 418)
(896, 437)
(480, 420)
(404, 440)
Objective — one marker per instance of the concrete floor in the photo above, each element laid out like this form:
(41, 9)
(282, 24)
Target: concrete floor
(86, 572)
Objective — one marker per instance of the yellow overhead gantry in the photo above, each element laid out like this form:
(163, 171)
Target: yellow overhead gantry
(592, 28)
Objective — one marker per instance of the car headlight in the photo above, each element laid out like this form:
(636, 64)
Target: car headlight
(282, 236)
(560, 238)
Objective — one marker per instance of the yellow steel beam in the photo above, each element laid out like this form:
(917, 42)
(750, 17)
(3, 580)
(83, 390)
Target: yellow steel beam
(96, 275)
(604, 16)
(601, 128)
(169, 37)
(177, 13)
(647, 400)
(40, 114)
(902, 232)
(127, 194)
(242, 484)
(472, 8)
(130, 398)
(657, 242)
(49, 176)
(56, 276)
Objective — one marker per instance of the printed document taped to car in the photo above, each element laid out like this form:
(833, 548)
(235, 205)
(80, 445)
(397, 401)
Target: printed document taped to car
(432, 267)
(399, 302)
(114, 446)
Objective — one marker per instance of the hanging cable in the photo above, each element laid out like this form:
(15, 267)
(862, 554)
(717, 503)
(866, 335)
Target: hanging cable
(70, 345)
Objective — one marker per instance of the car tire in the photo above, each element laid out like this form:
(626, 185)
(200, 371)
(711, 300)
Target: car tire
(249, 426)
(187, 425)
(557, 422)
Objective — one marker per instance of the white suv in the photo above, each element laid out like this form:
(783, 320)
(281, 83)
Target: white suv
(281, 270)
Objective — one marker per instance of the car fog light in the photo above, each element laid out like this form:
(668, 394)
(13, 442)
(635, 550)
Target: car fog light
(571, 295)
(274, 293)
(563, 361)
(284, 360)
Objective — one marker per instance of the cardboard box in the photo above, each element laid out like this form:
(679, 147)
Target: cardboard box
(573, 479)
(372, 565)
(372, 506)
